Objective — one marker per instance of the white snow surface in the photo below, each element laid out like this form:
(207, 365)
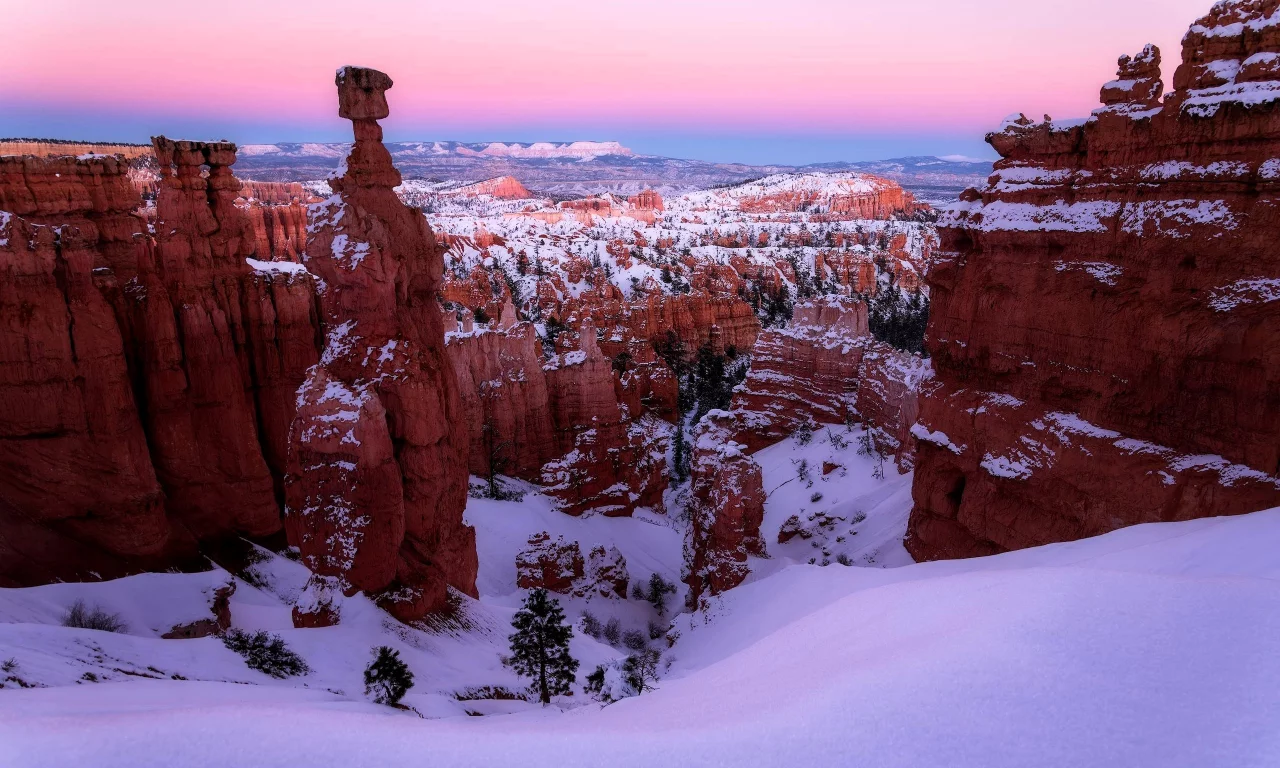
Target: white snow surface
(1151, 646)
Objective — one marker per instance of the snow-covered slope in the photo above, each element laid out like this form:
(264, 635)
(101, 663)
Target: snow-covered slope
(1153, 645)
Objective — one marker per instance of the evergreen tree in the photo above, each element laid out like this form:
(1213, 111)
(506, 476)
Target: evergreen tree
(540, 646)
(680, 454)
(387, 679)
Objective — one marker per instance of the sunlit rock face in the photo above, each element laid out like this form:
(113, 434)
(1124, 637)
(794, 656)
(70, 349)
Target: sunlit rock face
(1105, 326)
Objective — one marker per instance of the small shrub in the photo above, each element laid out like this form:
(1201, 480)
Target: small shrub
(490, 692)
(641, 670)
(858, 517)
(637, 591)
(844, 559)
(837, 440)
(81, 616)
(387, 678)
(591, 626)
(802, 471)
(656, 630)
(613, 631)
(595, 684)
(89, 677)
(634, 639)
(9, 665)
(659, 588)
(803, 433)
(265, 652)
(815, 498)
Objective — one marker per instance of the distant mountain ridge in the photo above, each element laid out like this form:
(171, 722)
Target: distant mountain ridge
(589, 167)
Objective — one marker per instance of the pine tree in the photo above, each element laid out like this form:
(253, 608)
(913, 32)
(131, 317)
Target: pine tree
(540, 646)
(387, 679)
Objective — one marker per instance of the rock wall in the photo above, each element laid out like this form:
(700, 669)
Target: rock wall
(1104, 319)
(726, 509)
(57, 148)
(612, 461)
(505, 399)
(824, 367)
(377, 477)
(148, 381)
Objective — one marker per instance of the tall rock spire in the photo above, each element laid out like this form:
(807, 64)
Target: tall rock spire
(377, 474)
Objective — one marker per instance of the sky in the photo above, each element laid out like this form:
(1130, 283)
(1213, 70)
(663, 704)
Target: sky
(756, 81)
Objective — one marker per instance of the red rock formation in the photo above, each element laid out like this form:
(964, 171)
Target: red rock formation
(1104, 324)
(275, 193)
(78, 492)
(552, 564)
(647, 199)
(280, 231)
(726, 509)
(159, 407)
(556, 565)
(39, 148)
(611, 461)
(504, 400)
(833, 197)
(503, 188)
(377, 477)
(824, 367)
(805, 372)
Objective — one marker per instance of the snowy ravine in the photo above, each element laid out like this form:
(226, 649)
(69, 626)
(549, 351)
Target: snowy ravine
(1101, 652)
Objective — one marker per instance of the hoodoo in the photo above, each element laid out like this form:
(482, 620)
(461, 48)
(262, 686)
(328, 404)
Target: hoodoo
(1105, 328)
(377, 473)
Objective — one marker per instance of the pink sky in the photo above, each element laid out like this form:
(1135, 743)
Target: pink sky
(933, 70)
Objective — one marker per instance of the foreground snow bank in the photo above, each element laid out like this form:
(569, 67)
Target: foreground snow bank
(1154, 645)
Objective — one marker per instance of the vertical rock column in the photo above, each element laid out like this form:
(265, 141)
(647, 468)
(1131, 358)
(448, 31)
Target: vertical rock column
(377, 476)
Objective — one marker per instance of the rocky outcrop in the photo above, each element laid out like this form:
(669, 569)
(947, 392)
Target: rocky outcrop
(46, 148)
(824, 367)
(505, 400)
(557, 565)
(611, 461)
(1104, 323)
(78, 491)
(835, 196)
(647, 199)
(726, 509)
(152, 411)
(503, 188)
(807, 371)
(376, 481)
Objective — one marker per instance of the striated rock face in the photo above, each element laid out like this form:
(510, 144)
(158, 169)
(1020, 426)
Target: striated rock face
(834, 195)
(78, 492)
(807, 371)
(157, 397)
(376, 481)
(824, 367)
(60, 148)
(1104, 320)
(191, 334)
(611, 461)
(505, 400)
(648, 199)
(503, 188)
(726, 509)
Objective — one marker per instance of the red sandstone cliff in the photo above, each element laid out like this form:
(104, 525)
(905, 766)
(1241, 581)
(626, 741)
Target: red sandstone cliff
(726, 509)
(1104, 324)
(824, 367)
(154, 409)
(377, 476)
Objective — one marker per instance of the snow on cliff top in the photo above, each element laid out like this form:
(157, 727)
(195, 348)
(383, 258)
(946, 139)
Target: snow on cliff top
(818, 185)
